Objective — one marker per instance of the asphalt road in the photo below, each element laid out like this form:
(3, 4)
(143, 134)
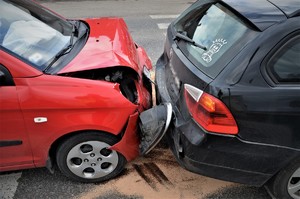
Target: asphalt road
(147, 22)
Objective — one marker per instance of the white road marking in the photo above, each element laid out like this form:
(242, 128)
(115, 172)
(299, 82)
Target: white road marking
(164, 16)
(8, 185)
(163, 26)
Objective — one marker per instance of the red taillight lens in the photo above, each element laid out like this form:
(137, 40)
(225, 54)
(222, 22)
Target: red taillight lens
(209, 112)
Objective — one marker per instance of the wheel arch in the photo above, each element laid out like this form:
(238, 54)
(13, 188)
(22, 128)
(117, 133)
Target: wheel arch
(288, 164)
(273, 183)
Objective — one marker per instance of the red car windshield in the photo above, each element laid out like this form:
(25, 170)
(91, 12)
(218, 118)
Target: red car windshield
(32, 32)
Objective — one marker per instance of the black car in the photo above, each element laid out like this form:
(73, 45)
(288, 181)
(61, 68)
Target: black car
(231, 71)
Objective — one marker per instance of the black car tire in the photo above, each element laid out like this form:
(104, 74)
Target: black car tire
(85, 157)
(279, 184)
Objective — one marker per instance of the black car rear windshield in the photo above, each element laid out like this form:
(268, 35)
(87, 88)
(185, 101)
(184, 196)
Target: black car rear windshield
(216, 28)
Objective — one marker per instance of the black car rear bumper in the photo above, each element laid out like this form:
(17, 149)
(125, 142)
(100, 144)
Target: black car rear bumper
(223, 157)
(211, 159)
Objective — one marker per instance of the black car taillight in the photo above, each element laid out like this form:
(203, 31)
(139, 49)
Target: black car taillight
(209, 112)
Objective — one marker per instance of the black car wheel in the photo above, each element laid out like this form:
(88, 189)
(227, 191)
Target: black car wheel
(286, 183)
(85, 157)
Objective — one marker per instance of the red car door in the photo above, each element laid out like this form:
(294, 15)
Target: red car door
(15, 149)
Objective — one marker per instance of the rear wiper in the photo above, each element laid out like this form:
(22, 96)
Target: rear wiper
(180, 36)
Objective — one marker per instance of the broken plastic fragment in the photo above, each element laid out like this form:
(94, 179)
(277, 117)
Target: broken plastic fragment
(153, 124)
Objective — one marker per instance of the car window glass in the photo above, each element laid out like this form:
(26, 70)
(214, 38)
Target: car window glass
(218, 31)
(216, 28)
(285, 64)
(32, 34)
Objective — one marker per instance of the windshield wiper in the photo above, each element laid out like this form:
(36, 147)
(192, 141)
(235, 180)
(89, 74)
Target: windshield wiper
(69, 47)
(180, 36)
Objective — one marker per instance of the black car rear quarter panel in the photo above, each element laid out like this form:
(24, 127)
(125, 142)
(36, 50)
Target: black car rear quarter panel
(266, 113)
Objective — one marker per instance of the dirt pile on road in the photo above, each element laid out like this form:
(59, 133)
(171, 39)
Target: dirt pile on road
(157, 175)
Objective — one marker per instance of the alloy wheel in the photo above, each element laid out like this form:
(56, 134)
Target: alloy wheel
(92, 159)
(294, 185)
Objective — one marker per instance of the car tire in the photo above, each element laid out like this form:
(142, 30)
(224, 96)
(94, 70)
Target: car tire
(286, 184)
(85, 157)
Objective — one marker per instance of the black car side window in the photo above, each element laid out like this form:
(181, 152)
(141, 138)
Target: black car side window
(5, 77)
(284, 66)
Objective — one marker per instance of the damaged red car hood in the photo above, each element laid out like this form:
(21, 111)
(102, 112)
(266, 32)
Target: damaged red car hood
(109, 44)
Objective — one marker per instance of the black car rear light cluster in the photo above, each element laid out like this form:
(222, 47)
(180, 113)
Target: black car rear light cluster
(209, 112)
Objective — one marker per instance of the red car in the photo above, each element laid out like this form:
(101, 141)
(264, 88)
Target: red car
(70, 92)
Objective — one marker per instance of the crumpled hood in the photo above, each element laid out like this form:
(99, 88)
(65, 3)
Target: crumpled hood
(109, 44)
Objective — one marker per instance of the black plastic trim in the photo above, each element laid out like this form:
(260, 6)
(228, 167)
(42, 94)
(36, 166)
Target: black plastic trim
(8, 79)
(10, 143)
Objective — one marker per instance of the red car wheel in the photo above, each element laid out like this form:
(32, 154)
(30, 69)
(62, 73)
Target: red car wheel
(85, 157)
